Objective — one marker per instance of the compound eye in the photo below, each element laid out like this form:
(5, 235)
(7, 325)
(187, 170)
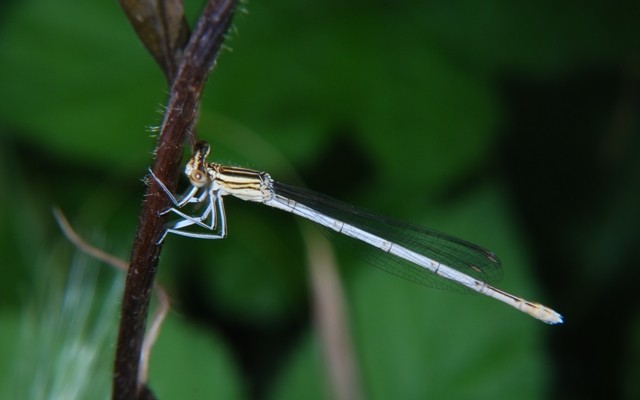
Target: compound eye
(198, 178)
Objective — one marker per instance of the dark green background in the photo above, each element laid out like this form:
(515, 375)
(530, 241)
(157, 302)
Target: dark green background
(513, 126)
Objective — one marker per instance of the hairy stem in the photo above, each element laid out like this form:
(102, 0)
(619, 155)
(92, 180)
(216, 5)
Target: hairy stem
(181, 112)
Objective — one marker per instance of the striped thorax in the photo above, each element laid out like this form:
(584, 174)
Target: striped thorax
(243, 183)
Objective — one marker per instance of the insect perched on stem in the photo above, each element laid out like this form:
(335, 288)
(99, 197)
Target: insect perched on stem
(417, 254)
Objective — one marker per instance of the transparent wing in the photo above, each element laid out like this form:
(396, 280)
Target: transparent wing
(463, 256)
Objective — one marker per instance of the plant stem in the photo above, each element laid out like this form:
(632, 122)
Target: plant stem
(181, 112)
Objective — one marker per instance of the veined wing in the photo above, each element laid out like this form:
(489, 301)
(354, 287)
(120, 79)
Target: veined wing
(470, 259)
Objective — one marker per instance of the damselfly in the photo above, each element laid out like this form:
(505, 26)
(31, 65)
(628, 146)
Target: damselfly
(417, 254)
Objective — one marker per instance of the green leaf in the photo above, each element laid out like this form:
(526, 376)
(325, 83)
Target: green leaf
(406, 102)
(189, 363)
(303, 375)
(418, 343)
(80, 84)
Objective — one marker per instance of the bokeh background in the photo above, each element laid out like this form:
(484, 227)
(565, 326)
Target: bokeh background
(511, 125)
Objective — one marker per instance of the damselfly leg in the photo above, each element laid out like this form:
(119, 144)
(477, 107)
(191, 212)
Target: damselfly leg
(215, 205)
(187, 198)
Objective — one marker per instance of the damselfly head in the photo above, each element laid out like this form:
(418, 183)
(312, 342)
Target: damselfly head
(196, 167)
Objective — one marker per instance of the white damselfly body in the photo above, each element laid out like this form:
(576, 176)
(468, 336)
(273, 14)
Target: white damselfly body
(417, 254)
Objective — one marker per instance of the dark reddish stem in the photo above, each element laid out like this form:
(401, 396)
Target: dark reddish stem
(199, 57)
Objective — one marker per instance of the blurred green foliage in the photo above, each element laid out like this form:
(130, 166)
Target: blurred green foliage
(406, 98)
